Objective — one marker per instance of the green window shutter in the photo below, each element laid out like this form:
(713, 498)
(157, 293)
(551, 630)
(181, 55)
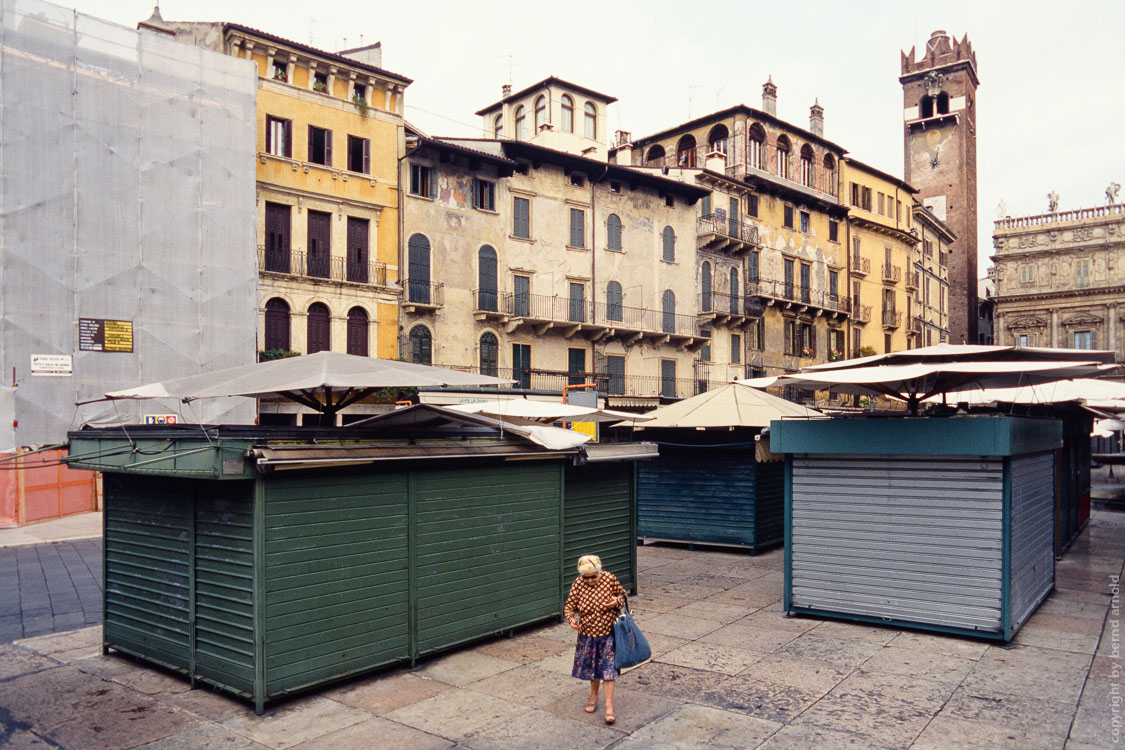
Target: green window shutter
(577, 227)
(705, 206)
(431, 184)
(669, 244)
(521, 217)
(613, 232)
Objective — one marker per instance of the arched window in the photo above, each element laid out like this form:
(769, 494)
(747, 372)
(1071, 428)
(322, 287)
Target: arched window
(498, 126)
(717, 139)
(830, 176)
(655, 156)
(755, 143)
(668, 311)
(418, 281)
(521, 116)
(806, 165)
(567, 114)
(613, 232)
(734, 295)
(319, 324)
(540, 112)
(782, 157)
(486, 277)
(685, 151)
(943, 103)
(927, 105)
(705, 283)
(669, 244)
(357, 331)
(489, 355)
(421, 346)
(613, 306)
(591, 117)
(277, 325)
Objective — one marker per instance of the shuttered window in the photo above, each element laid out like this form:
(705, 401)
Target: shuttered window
(319, 323)
(576, 366)
(320, 146)
(489, 355)
(705, 283)
(419, 269)
(577, 302)
(577, 227)
(421, 345)
(423, 181)
(613, 232)
(668, 311)
(669, 244)
(319, 243)
(735, 349)
(484, 194)
(358, 230)
(521, 217)
(668, 378)
(279, 136)
(359, 154)
(277, 325)
(521, 364)
(522, 296)
(613, 306)
(357, 331)
(486, 276)
(277, 238)
(735, 297)
(615, 368)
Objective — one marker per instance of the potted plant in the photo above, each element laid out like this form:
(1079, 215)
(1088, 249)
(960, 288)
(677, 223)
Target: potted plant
(806, 352)
(279, 74)
(320, 86)
(360, 103)
(835, 355)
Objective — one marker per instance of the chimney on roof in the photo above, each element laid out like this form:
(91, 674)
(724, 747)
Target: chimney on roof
(769, 97)
(506, 90)
(816, 119)
(156, 23)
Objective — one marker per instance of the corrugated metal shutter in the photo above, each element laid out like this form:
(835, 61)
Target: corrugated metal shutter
(769, 504)
(907, 538)
(224, 584)
(147, 552)
(702, 495)
(336, 576)
(1032, 541)
(487, 551)
(598, 522)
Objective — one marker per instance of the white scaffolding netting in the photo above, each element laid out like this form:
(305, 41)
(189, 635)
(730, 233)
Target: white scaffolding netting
(126, 193)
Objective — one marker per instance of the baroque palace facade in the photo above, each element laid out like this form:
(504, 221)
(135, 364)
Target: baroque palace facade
(1060, 279)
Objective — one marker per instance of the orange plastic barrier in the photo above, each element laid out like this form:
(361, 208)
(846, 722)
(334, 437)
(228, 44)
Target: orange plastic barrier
(38, 486)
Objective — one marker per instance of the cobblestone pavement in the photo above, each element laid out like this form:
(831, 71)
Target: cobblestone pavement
(730, 671)
(48, 588)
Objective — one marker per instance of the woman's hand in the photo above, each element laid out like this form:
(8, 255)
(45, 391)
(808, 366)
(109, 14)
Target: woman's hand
(614, 602)
(573, 623)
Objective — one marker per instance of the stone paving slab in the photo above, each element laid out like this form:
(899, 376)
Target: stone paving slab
(47, 588)
(730, 670)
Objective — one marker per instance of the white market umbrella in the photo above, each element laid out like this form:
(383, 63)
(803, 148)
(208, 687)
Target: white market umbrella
(914, 383)
(545, 411)
(1088, 391)
(962, 353)
(325, 381)
(732, 405)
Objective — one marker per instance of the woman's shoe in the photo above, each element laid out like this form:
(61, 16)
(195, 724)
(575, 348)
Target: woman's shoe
(591, 707)
(610, 718)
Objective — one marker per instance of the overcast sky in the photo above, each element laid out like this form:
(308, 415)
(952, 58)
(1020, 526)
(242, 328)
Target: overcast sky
(1050, 107)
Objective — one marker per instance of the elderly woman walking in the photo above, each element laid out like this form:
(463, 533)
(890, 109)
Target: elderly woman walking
(591, 608)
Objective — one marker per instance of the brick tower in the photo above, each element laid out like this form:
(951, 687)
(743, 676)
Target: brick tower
(939, 107)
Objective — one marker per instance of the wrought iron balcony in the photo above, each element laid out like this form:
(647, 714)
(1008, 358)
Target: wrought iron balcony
(861, 313)
(859, 265)
(892, 319)
(721, 307)
(320, 266)
(911, 279)
(892, 273)
(645, 321)
(423, 296)
(720, 232)
(786, 291)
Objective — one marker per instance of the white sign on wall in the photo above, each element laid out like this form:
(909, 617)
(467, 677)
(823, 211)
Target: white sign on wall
(52, 365)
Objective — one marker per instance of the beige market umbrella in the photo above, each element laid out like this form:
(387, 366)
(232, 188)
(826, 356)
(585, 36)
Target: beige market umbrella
(1103, 394)
(733, 405)
(325, 381)
(545, 411)
(961, 353)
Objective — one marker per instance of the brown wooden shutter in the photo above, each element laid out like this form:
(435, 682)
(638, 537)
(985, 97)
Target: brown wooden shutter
(319, 238)
(319, 320)
(358, 230)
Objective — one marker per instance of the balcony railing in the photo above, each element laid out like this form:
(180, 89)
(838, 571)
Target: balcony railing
(790, 292)
(319, 266)
(911, 279)
(734, 152)
(892, 273)
(424, 293)
(721, 303)
(892, 319)
(860, 265)
(645, 320)
(727, 226)
(540, 379)
(861, 313)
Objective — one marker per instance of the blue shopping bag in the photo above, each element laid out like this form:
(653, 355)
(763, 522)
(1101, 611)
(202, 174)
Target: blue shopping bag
(630, 647)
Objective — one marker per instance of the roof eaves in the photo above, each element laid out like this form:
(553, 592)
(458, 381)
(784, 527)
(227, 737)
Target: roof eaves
(550, 80)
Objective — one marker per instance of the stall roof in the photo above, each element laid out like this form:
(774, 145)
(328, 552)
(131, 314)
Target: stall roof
(548, 411)
(1105, 394)
(733, 405)
(969, 353)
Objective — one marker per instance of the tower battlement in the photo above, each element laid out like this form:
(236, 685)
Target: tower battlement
(941, 51)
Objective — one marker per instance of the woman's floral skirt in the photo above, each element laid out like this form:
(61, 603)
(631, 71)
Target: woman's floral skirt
(593, 658)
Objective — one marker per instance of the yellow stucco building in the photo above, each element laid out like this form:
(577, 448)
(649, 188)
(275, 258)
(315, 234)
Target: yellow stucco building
(881, 274)
(330, 135)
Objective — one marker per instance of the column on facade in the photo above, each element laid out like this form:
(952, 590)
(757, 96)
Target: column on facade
(1054, 327)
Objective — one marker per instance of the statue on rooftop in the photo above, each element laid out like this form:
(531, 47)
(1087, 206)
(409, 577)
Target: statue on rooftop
(1111, 193)
(1052, 202)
